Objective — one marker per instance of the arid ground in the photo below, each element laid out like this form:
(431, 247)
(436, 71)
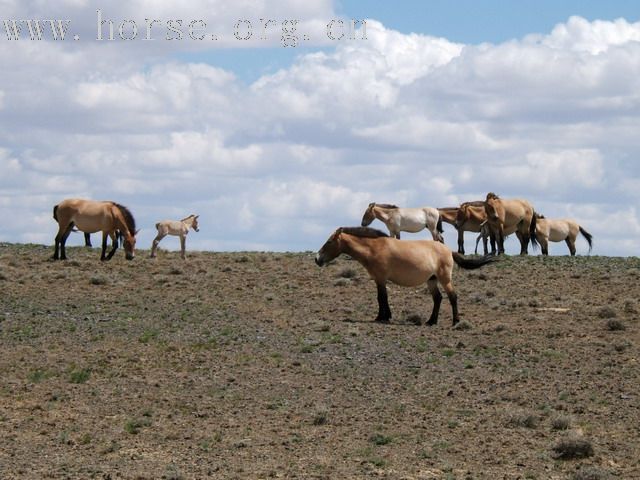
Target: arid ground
(262, 365)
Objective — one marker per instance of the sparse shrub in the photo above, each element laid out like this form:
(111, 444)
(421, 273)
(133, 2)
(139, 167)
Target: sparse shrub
(79, 375)
(522, 419)
(463, 325)
(98, 280)
(321, 417)
(347, 272)
(614, 324)
(380, 439)
(561, 422)
(341, 282)
(134, 425)
(590, 473)
(414, 318)
(3, 276)
(242, 259)
(573, 447)
(606, 312)
(175, 271)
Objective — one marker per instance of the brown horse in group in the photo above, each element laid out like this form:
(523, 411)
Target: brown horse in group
(91, 216)
(549, 230)
(508, 216)
(471, 217)
(405, 263)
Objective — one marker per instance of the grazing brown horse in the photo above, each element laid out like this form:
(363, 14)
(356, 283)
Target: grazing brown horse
(505, 216)
(405, 263)
(548, 230)
(91, 216)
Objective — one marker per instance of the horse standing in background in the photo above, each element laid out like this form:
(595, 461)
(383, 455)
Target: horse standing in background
(548, 230)
(92, 216)
(504, 216)
(177, 228)
(472, 217)
(405, 219)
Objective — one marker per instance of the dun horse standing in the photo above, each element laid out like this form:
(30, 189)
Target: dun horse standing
(177, 228)
(406, 263)
(410, 220)
(92, 216)
(548, 230)
(508, 216)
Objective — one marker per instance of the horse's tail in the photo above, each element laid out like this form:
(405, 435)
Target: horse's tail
(588, 237)
(532, 231)
(472, 263)
(55, 213)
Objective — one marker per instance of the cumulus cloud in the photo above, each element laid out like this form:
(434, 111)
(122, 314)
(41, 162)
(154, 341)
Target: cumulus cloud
(401, 118)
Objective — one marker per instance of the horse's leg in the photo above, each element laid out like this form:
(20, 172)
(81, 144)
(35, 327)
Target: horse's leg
(63, 241)
(453, 299)
(103, 257)
(484, 244)
(183, 239)
(521, 239)
(432, 284)
(114, 246)
(477, 242)
(460, 241)
(500, 239)
(155, 243)
(572, 246)
(58, 244)
(544, 245)
(87, 239)
(526, 236)
(384, 312)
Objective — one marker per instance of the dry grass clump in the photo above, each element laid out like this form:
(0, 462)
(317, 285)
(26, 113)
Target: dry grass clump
(573, 447)
(522, 419)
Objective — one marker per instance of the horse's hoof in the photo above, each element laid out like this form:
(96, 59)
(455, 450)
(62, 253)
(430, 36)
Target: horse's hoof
(382, 320)
(431, 323)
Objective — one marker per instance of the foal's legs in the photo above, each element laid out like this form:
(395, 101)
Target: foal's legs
(432, 284)
(155, 243)
(384, 312)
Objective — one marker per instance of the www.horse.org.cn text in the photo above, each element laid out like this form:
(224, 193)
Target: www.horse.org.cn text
(287, 31)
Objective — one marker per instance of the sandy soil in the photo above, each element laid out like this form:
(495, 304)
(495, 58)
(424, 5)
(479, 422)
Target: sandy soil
(262, 365)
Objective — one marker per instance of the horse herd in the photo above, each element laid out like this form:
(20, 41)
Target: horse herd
(386, 258)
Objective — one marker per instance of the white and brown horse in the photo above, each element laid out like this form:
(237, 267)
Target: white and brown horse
(550, 230)
(177, 228)
(405, 219)
(92, 216)
(405, 263)
(508, 216)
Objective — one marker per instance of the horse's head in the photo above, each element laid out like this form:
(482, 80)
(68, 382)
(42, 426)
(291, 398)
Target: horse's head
(330, 250)
(130, 244)
(194, 224)
(491, 206)
(369, 215)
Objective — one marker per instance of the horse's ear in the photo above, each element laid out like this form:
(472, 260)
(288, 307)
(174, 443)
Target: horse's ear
(137, 231)
(372, 204)
(197, 216)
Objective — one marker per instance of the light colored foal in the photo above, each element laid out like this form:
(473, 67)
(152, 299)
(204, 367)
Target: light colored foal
(177, 228)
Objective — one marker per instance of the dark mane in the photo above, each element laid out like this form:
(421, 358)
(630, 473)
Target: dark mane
(128, 218)
(386, 205)
(492, 195)
(475, 203)
(363, 232)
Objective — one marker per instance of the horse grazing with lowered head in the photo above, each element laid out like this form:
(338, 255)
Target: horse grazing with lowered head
(508, 216)
(92, 216)
(549, 230)
(406, 263)
(177, 228)
(410, 220)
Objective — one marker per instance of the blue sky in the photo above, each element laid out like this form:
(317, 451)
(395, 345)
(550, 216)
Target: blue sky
(464, 21)
(275, 147)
